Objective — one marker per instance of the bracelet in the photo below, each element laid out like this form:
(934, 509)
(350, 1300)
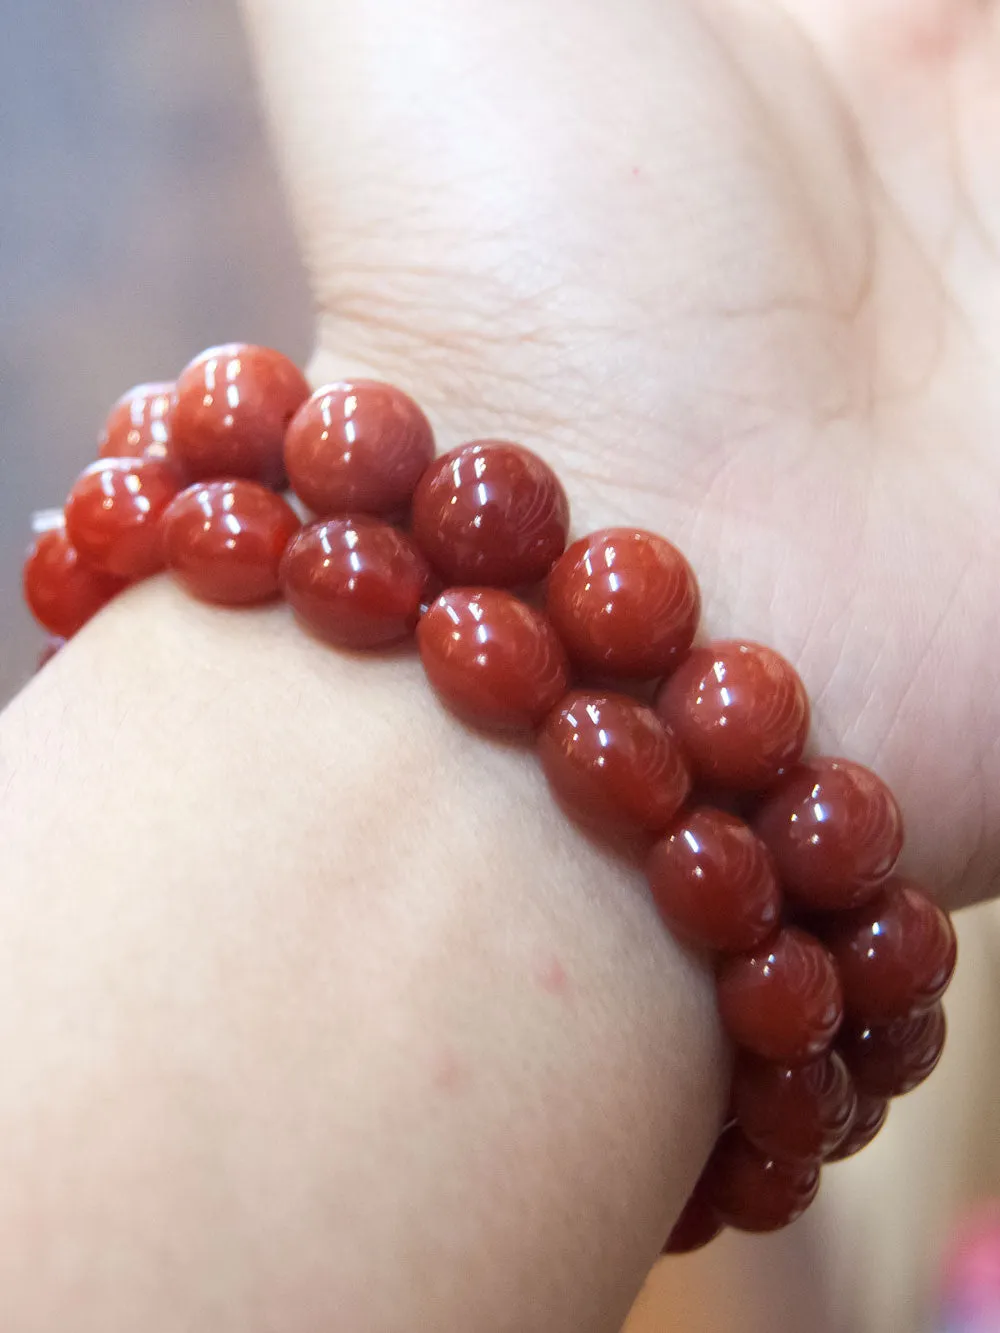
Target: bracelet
(829, 968)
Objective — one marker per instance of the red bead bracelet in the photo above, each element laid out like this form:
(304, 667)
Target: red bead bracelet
(829, 968)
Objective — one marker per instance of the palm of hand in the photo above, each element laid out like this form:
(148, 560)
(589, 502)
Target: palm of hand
(736, 271)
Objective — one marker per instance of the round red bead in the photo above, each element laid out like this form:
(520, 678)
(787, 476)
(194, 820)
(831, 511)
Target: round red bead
(869, 1117)
(895, 954)
(740, 713)
(891, 1060)
(783, 1000)
(114, 513)
(611, 763)
(794, 1113)
(696, 1226)
(625, 603)
(61, 591)
(231, 407)
(495, 661)
(835, 831)
(753, 1192)
(224, 540)
(714, 882)
(137, 423)
(490, 513)
(355, 582)
(357, 448)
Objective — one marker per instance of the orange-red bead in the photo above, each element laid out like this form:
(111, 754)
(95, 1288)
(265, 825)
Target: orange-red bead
(490, 513)
(357, 448)
(495, 661)
(224, 540)
(714, 882)
(696, 1226)
(869, 1116)
(740, 713)
(835, 832)
(355, 582)
(61, 591)
(231, 407)
(794, 1113)
(625, 603)
(895, 954)
(114, 513)
(753, 1192)
(783, 1000)
(611, 763)
(137, 423)
(889, 1061)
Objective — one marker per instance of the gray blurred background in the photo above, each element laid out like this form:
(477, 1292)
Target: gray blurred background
(142, 219)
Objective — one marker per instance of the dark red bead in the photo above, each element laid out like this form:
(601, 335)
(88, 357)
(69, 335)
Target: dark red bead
(835, 831)
(137, 423)
(869, 1117)
(740, 713)
(355, 582)
(224, 540)
(889, 1061)
(357, 448)
(753, 1192)
(490, 513)
(231, 407)
(713, 881)
(611, 763)
(795, 1113)
(625, 603)
(114, 514)
(783, 1000)
(696, 1226)
(495, 661)
(61, 591)
(895, 954)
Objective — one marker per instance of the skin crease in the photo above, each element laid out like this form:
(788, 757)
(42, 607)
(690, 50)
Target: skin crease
(732, 269)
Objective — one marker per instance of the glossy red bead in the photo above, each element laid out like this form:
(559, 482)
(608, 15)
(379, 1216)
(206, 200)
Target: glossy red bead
(495, 661)
(355, 582)
(357, 448)
(835, 831)
(869, 1116)
(753, 1192)
(895, 954)
(714, 882)
(224, 540)
(611, 763)
(61, 591)
(891, 1060)
(783, 1000)
(625, 603)
(795, 1113)
(740, 713)
(231, 408)
(114, 514)
(696, 1226)
(490, 513)
(137, 423)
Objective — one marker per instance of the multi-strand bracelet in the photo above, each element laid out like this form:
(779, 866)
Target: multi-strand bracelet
(829, 969)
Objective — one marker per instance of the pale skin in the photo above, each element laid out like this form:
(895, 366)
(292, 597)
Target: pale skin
(314, 1012)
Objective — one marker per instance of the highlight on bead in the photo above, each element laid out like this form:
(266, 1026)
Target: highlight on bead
(829, 967)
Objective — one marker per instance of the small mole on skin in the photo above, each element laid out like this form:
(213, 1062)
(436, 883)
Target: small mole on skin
(553, 978)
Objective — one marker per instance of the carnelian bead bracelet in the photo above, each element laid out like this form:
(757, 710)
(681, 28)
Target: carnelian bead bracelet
(829, 968)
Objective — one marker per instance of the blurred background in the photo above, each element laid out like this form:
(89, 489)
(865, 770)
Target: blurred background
(142, 220)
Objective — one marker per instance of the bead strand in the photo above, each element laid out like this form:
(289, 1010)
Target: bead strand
(829, 968)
